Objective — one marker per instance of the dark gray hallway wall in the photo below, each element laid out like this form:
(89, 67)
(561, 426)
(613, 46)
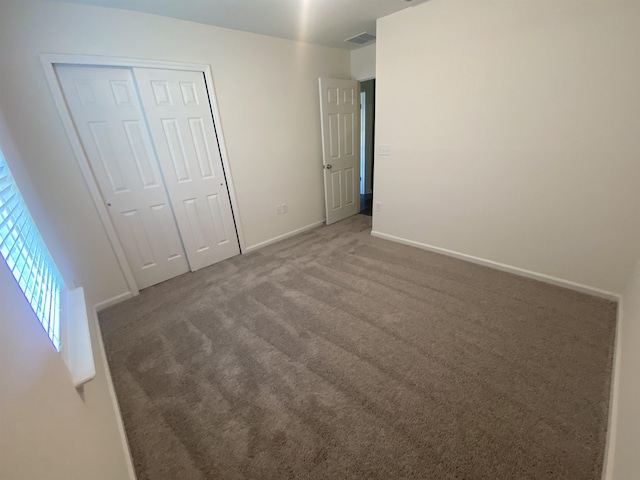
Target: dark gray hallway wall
(369, 87)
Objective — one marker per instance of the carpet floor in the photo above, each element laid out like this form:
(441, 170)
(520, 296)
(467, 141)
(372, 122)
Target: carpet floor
(336, 355)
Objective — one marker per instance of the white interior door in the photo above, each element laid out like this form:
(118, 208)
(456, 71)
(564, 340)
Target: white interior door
(340, 112)
(105, 108)
(177, 107)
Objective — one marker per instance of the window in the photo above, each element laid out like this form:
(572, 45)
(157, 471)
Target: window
(27, 257)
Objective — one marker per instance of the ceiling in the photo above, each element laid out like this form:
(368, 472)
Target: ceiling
(322, 22)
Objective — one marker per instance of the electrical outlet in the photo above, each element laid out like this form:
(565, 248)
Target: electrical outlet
(284, 208)
(278, 209)
(378, 206)
(384, 149)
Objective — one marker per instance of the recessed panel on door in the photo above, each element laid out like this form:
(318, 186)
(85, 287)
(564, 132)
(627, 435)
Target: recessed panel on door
(334, 136)
(163, 217)
(143, 257)
(336, 190)
(349, 134)
(350, 185)
(216, 210)
(145, 161)
(203, 152)
(108, 117)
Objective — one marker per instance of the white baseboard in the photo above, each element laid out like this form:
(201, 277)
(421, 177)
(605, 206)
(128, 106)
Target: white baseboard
(260, 245)
(610, 442)
(112, 301)
(612, 425)
(505, 268)
(114, 400)
(107, 371)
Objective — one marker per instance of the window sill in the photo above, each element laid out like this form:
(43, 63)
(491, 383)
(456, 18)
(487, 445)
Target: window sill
(76, 341)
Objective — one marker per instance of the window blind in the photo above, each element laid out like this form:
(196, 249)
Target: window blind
(27, 257)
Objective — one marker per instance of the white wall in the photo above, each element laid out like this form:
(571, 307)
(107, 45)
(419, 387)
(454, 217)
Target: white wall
(267, 94)
(268, 98)
(47, 430)
(363, 63)
(514, 133)
(626, 463)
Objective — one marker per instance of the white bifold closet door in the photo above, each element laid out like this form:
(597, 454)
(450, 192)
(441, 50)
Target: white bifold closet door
(166, 221)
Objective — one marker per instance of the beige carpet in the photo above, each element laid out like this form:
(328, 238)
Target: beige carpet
(336, 355)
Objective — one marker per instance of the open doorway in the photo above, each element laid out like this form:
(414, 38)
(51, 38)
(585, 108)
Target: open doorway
(367, 124)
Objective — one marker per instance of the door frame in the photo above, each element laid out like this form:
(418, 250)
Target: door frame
(49, 60)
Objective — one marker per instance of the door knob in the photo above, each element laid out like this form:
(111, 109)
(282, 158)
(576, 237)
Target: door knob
(328, 167)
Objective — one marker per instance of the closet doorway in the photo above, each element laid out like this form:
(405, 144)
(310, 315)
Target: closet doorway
(153, 154)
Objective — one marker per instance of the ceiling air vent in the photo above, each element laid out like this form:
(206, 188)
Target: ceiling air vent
(361, 38)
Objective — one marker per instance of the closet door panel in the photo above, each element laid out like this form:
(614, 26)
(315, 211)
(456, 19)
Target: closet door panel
(176, 105)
